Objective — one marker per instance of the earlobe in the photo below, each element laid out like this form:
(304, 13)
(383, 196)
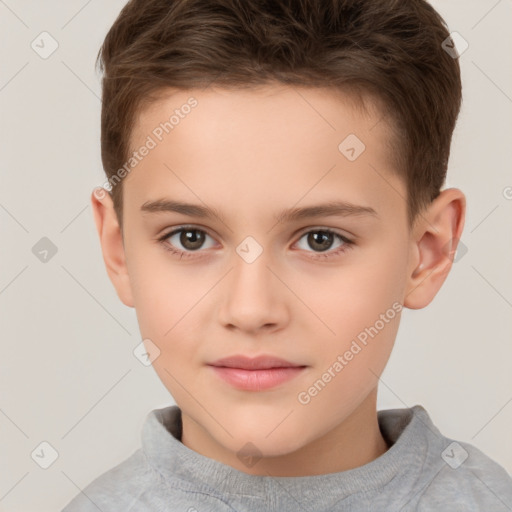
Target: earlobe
(436, 239)
(111, 242)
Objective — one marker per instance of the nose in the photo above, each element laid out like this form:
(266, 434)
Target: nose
(253, 298)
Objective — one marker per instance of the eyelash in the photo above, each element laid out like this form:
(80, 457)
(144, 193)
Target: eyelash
(323, 256)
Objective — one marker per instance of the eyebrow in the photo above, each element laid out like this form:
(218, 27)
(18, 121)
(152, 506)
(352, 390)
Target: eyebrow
(332, 208)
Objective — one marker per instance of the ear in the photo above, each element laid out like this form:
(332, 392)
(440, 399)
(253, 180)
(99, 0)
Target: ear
(435, 238)
(112, 245)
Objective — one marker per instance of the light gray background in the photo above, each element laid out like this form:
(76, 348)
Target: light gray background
(68, 374)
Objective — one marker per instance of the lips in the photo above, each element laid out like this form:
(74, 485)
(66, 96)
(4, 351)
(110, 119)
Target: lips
(263, 362)
(257, 373)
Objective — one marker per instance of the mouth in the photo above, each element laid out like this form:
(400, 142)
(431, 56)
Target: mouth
(256, 374)
(264, 362)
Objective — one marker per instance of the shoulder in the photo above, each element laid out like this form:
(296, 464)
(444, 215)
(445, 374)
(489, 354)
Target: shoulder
(468, 480)
(119, 488)
(438, 471)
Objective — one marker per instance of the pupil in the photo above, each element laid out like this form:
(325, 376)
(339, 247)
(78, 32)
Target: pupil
(324, 235)
(193, 237)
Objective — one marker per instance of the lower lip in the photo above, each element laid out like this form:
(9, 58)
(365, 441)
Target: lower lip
(257, 380)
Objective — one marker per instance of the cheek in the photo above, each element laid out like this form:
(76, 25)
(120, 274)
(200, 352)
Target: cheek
(165, 298)
(163, 290)
(356, 294)
(165, 314)
(362, 305)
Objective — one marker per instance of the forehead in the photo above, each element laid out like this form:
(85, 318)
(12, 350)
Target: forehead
(275, 142)
(259, 107)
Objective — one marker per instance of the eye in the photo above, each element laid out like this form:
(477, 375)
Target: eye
(190, 238)
(321, 240)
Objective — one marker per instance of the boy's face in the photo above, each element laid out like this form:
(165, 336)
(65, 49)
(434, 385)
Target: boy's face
(250, 285)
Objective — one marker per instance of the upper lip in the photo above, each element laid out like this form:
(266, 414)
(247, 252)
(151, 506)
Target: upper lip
(254, 363)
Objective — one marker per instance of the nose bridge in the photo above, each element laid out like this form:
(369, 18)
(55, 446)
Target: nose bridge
(251, 274)
(253, 299)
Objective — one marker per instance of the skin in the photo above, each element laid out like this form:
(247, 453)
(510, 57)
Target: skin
(250, 155)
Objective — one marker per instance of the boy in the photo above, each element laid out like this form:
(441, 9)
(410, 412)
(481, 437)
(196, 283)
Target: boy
(303, 144)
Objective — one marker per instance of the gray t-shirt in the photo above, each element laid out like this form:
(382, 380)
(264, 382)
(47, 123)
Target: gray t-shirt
(422, 470)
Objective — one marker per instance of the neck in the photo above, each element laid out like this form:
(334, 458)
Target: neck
(354, 442)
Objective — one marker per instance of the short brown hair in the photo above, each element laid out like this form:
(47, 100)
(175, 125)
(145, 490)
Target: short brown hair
(390, 50)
